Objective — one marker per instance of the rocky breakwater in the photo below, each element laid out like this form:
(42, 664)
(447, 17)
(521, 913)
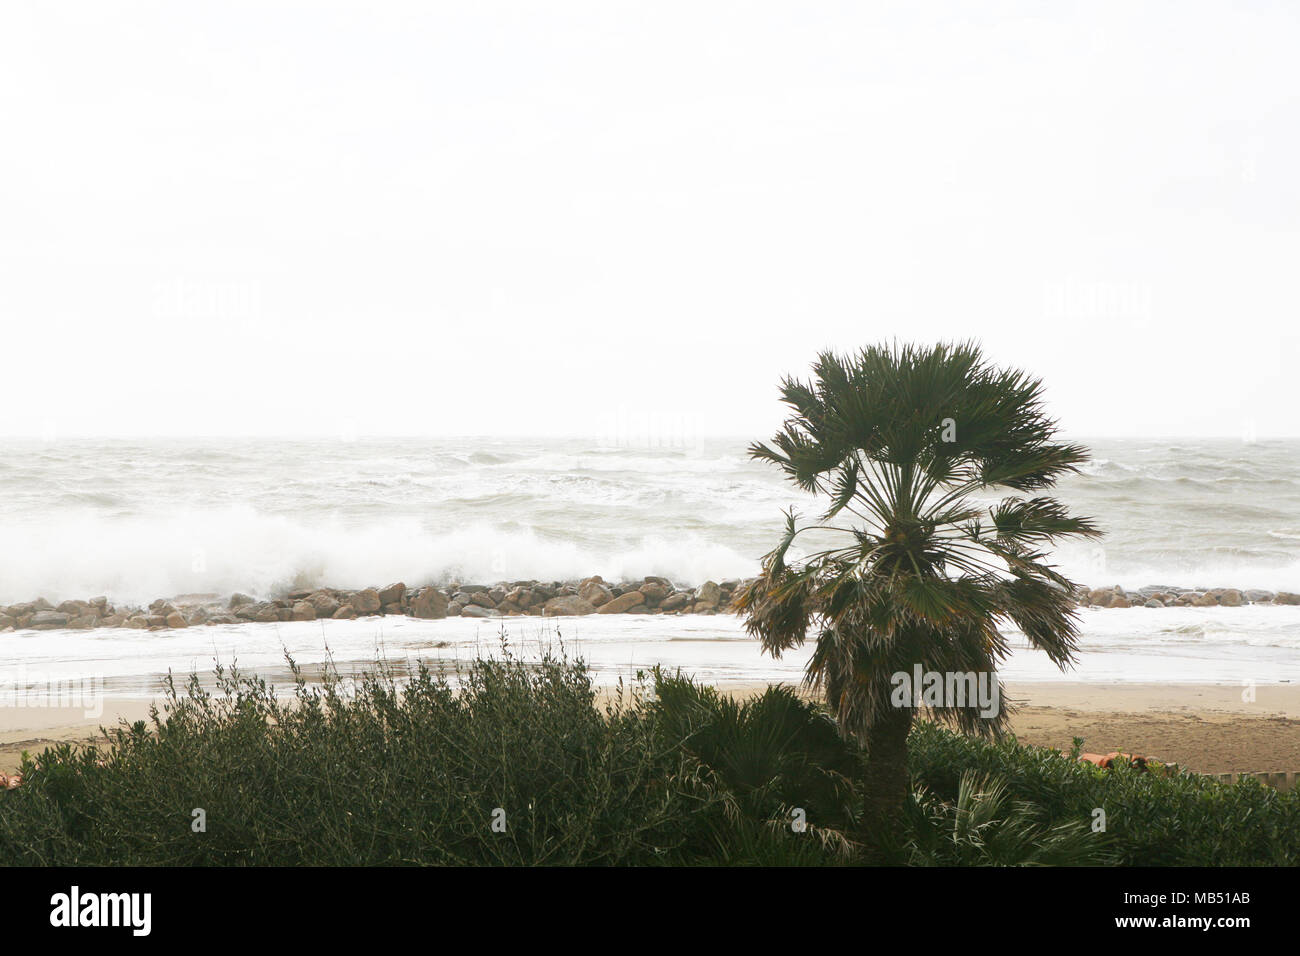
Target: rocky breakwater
(1156, 596)
(593, 595)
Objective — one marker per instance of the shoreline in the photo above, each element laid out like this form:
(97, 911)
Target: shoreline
(1205, 728)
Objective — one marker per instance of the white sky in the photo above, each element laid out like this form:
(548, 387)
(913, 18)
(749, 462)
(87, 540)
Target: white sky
(476, 218)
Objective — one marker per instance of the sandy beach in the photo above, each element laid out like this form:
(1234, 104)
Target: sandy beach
(1207, 728)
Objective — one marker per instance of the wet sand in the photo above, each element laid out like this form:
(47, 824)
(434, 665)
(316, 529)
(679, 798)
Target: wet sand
(1207, 728)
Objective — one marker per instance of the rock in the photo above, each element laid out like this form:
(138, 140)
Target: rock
(283, 613)
(73, 608)
(709, 594)
(262, 612)
(1286, 597)
(521, 596)
(1256, 596)
(454, 608)
(1187, 598)
(139, 622)
(393, 594)
(366, 601)
(1230, 597)
(595, 592)
(176, 619)
(223, 619)
(568, 605)
(497, 594)
(7, 622)
(1100, 597)
(1206, 600)
(239, 600)
(324, 602)
(477, 610)
(40, 604)
(675, 602)
(429, 604)
(624, 602)
(346, 612)
(654, 591)
(1120, 600)
(112, 620)
(156, 620)
(47, 620)
(304, 611)
(1154, 602)
(481, 599)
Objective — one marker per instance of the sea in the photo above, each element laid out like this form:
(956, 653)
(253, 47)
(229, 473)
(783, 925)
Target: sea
(139, 520)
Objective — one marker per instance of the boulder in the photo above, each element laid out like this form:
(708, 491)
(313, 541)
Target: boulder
(1206, 600)
(521, 596)
(1230, 597)
(568, 605)
(366, 601)
(304, 611)
(7, 622)
(454, 608)
(48, 620)
(112, 620)
(84, 622)
(482, 599)
(1154, 602)
(429, 603)
(239, 600)
(261, 612)
(324, 602)
(477, 610)
(176, 619)
(709, 594)
(1100, 597)
(1287, 597)
(654, 591)
(346, 612)
(1256, 596)
(675, 602)
(40, 604)
(595, 592)
(393, 594)
(138, 623)
(624, 602)
(1119, 600)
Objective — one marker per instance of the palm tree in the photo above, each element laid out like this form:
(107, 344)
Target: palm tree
(913, 445)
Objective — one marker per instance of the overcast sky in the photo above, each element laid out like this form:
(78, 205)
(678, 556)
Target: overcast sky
(388, 218)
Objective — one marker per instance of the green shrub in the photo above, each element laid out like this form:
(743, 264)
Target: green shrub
(1152, 819)
(411, 770)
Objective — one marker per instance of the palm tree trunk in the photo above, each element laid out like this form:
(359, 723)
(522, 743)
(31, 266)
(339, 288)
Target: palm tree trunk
(885, 785)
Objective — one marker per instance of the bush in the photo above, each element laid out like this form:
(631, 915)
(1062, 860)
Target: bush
(1152, 819)
(416, 770)
(374, 775)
